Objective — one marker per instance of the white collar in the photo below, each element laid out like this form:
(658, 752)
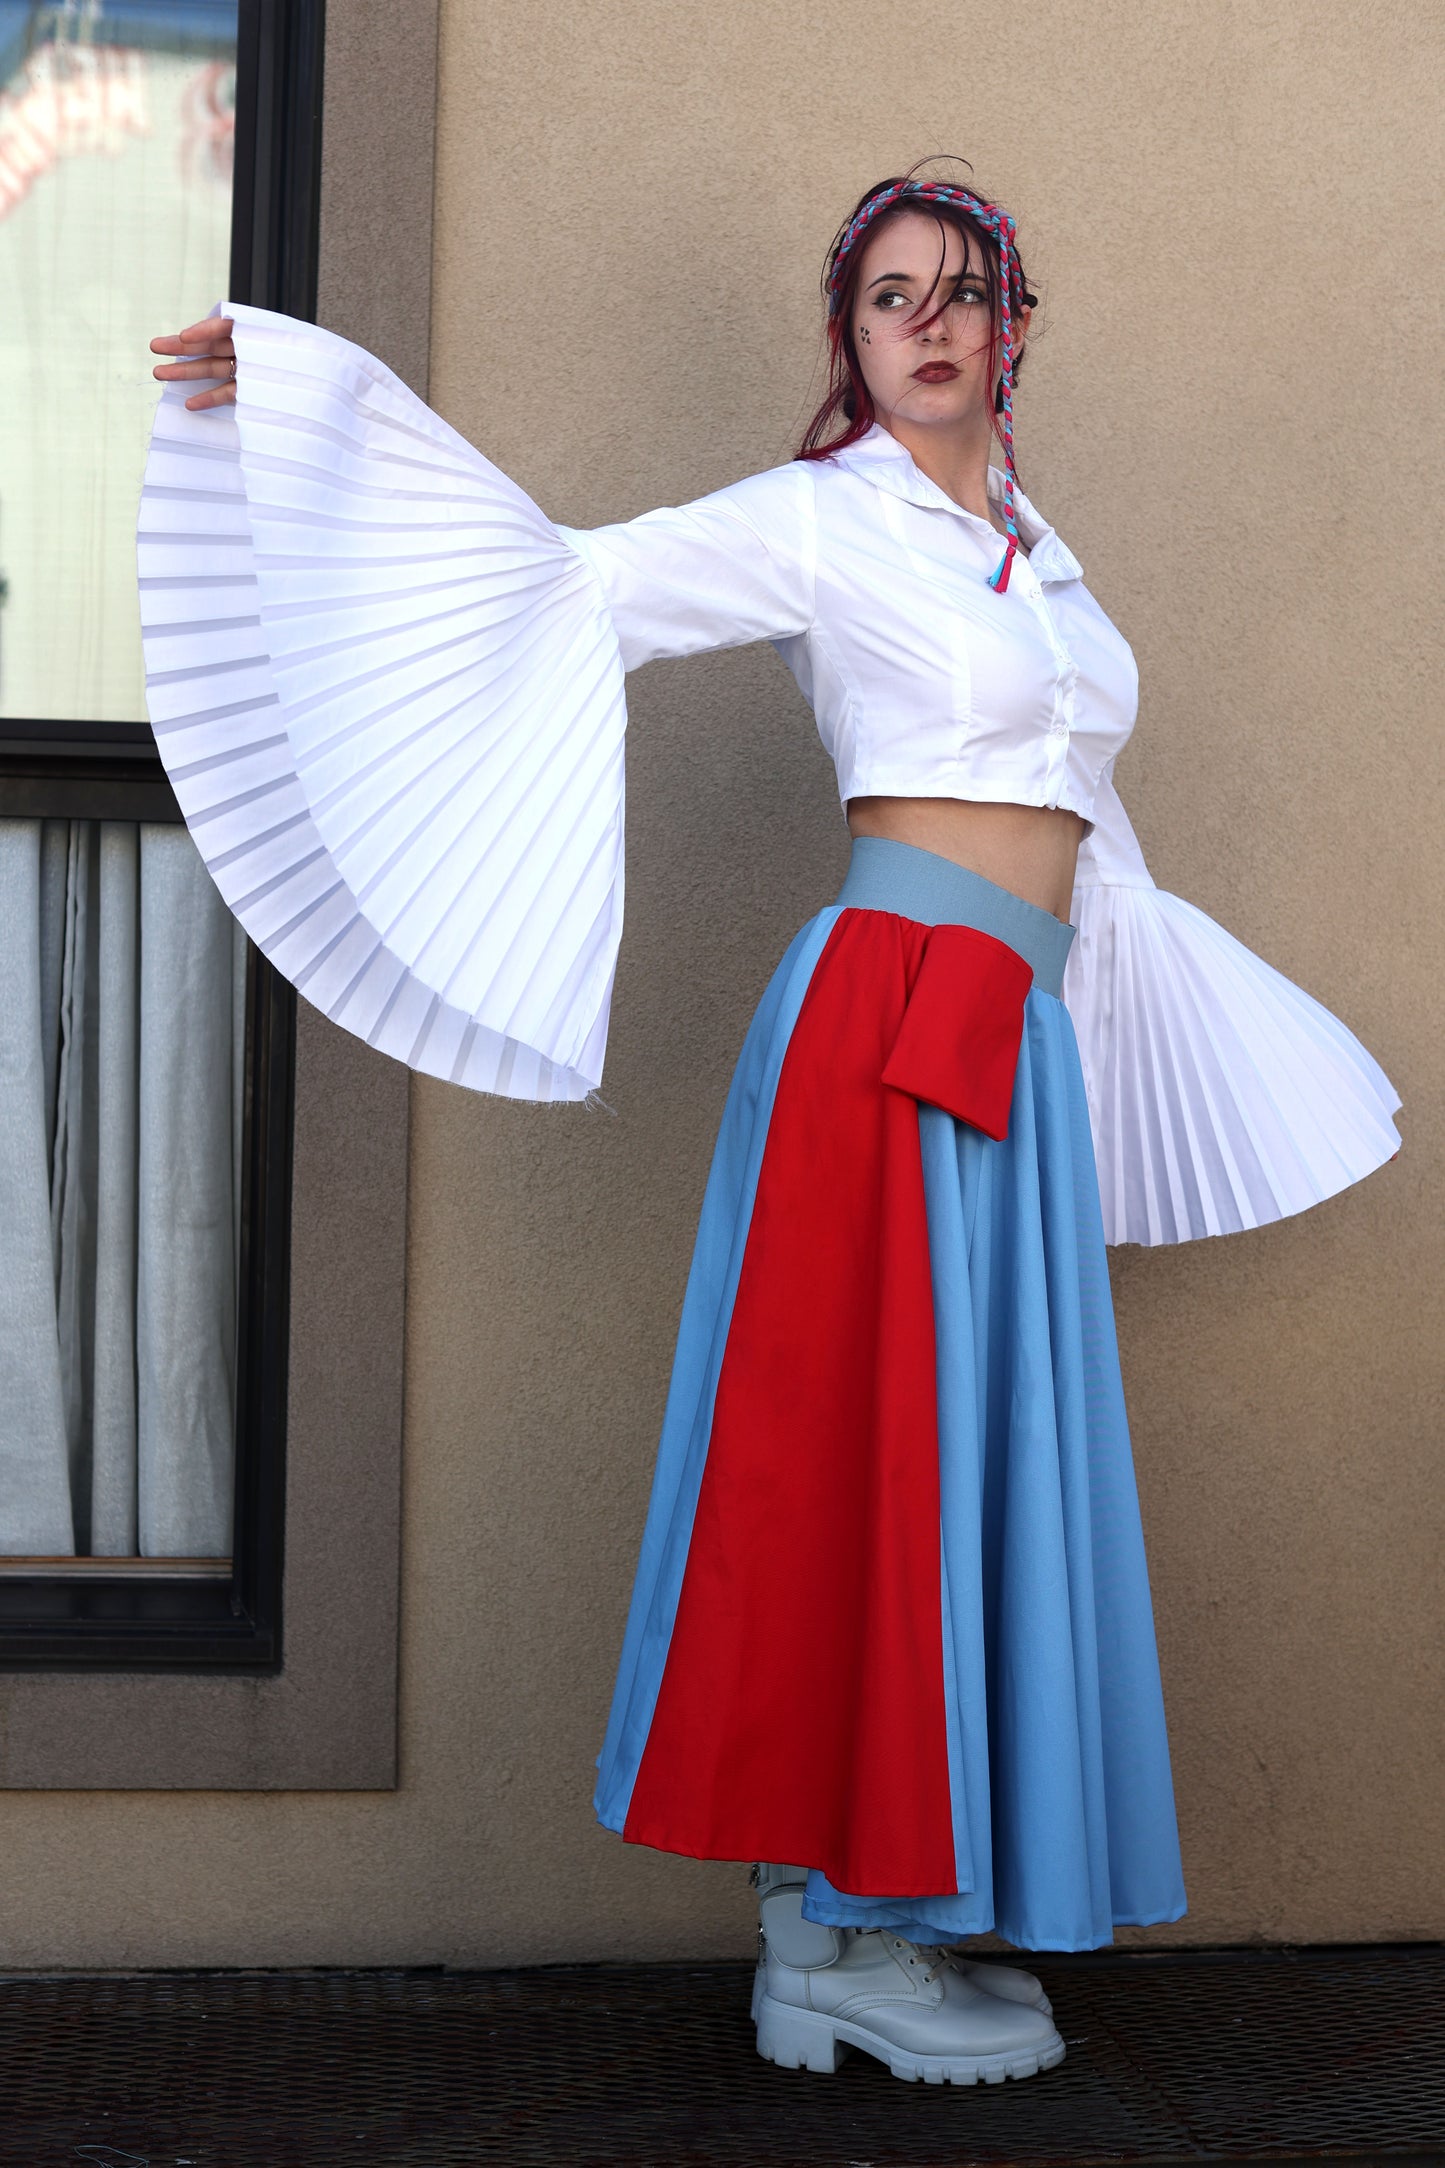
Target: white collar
(889, 465)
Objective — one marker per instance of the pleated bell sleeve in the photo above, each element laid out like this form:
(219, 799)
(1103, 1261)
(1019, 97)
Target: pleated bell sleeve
(1221, 1096)
(390, 700)
(389, 694)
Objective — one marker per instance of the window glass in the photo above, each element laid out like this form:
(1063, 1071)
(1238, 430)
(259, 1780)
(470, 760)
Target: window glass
(117, 123)
(122, 987)
(122, 975)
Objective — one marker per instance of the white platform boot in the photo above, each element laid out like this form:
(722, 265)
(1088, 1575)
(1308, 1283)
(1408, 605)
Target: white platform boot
(1009, 1982)
(828, 1989)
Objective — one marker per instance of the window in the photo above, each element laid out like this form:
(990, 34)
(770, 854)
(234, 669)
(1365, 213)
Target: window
(154, 155)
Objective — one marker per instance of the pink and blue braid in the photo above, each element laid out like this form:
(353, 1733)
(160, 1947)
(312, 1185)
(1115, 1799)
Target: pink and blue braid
(996, 222)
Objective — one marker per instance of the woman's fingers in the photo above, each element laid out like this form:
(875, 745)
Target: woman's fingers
(213, 331)
(193, 352)
(181, 372)
(193, 349)
(212, 368)
(223, 395)
(208, 352)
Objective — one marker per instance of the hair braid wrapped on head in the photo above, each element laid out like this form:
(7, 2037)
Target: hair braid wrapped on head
(1013, 295)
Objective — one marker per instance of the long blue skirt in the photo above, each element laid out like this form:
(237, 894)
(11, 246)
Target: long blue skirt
(1058, 1777)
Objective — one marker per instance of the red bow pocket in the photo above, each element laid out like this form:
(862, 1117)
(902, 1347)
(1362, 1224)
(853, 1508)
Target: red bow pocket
(958, 1045)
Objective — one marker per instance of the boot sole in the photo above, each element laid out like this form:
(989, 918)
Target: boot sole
(807, 2040)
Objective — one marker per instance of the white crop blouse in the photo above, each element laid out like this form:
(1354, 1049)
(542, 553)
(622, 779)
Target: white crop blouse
(873, 586)
(389, 695)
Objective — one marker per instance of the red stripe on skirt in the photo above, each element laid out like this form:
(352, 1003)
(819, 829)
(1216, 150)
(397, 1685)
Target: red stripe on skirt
(801, 1713)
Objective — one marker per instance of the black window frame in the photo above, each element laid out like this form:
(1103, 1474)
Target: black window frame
(80, 1616)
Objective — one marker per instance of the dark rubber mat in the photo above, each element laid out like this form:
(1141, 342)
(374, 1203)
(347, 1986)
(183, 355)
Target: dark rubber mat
(1227, 2056)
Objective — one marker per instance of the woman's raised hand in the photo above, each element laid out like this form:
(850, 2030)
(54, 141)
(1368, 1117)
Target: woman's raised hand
(208, 351)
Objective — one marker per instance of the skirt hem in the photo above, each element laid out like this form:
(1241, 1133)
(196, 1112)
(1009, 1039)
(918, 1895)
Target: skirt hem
(819, 1909)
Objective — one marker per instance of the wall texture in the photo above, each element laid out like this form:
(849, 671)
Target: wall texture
(632, 201)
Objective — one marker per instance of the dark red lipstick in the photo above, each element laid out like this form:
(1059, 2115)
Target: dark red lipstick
(935, 372)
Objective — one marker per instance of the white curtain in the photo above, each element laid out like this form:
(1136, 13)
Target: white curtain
(122, 983)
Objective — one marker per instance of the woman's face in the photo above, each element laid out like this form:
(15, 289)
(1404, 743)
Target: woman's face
(930, 374)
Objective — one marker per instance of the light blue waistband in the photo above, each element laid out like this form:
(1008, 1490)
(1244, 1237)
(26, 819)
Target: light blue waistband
(933, 891)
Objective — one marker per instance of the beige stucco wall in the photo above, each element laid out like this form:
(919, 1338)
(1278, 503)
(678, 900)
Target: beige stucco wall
(632, 201)
(632, 204)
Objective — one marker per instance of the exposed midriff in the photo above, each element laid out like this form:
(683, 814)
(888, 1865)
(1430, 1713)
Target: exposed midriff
(1030, 850)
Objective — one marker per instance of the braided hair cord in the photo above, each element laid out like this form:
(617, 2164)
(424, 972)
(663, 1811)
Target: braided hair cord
(1002, 228)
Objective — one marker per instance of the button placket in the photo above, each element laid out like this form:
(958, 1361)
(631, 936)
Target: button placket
(928, 572)
(1065, 686)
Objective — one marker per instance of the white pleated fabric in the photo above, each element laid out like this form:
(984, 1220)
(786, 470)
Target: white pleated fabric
(1221, 1095)
(390, 700)
(389, 694)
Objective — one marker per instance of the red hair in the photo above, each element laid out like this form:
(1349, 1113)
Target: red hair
(847, 411)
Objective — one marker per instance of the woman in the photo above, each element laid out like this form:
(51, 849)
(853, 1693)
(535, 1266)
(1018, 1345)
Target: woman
(891, 1618)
